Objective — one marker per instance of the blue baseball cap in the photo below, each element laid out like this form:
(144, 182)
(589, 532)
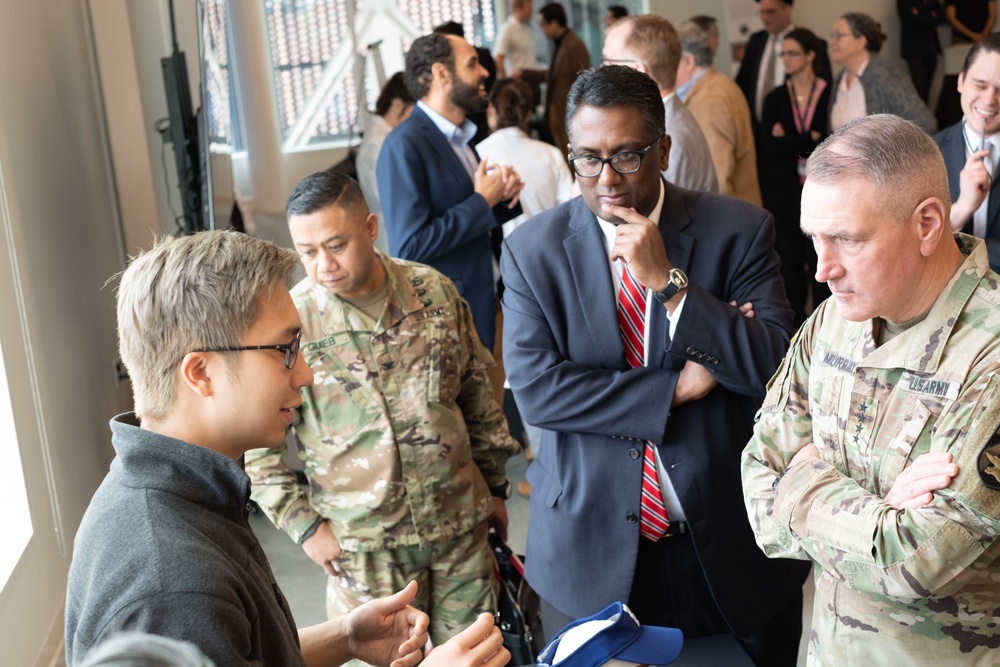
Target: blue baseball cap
(612, 634)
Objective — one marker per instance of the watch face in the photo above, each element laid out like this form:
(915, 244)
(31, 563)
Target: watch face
(678, 278)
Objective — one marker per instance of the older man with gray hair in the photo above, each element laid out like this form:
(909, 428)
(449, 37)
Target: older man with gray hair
(722, 112)
(876, 452)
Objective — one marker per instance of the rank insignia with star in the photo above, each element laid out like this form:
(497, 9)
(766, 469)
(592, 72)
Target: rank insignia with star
(989, 463)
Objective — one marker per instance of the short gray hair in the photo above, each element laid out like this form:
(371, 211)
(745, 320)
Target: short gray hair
(695, 41)
(193, 292)
(899, 159)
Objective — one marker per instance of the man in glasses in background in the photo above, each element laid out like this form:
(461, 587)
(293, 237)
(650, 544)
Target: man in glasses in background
(404, 445)
(210, 337)
(623, 346)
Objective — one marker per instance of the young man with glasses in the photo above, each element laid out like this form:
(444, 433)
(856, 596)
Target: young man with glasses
(623, 346)
(404, 446)
(210, 337)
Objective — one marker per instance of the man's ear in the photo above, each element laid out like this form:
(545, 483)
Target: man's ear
(932, 224)
(196, 372)
(441, 73)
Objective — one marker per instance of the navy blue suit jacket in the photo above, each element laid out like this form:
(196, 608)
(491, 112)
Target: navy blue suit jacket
(434, 216)
(565, 362)
(952, 144)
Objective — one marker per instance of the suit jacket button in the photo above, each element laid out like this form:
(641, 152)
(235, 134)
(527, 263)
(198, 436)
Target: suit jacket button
(690, 350)
(631, 518)
(715, 361)
(634, 453)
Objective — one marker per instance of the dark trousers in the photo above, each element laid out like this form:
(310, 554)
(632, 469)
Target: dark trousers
(670, 590)
(922, 73)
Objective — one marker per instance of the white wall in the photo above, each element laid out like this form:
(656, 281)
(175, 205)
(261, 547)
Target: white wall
(60, 244)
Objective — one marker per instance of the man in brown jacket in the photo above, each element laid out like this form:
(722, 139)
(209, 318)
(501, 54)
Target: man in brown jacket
(722, 112)
(569, 58)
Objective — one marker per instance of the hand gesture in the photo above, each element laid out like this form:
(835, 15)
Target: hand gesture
(388, 631)
(974, 185)
(497, 183)
(479, 645)
(638, 243)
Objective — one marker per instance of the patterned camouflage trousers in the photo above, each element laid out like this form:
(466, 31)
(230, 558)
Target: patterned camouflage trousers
(456, 581)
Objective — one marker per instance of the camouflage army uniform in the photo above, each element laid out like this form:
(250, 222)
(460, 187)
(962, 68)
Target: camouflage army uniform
(401, 442)
(893, 587)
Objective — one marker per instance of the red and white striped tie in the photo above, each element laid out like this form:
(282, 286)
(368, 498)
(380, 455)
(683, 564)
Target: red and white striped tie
(653, 520)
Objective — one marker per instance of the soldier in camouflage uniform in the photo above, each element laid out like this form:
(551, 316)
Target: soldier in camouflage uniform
(876, 450)
(403, 443)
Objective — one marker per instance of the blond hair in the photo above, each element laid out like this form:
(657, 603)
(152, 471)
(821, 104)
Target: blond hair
(655, 42)
(193, 292)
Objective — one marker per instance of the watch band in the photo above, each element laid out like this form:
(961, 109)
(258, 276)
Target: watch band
(676, 282)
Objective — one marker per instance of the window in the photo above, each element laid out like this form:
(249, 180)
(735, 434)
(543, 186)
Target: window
(311, 51)
(219, 77)
(16, 527)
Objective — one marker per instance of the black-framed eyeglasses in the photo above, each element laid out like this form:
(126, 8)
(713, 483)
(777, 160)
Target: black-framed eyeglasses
(291, 350)
(626, 162)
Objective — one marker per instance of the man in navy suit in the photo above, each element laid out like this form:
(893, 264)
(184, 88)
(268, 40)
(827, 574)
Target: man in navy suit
(776, 15)
(441, 204)
(971, 148)
(688, 401)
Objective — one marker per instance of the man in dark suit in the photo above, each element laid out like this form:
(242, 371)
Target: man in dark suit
(657, 422)
(441, 204)
(763, 48)
(569, 57)
(971, 148)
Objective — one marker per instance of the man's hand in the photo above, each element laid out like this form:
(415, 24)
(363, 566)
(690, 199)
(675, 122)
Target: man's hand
(479, 645)
(324, 549)
(913, 488)
(808, 452)
(974, 185)
(498, 520)
(638, 243)
(388, 629)
(497, 183)
(693, 382)
(746, 309)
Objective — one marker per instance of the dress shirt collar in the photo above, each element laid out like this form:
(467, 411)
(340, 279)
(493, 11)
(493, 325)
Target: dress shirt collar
(682, 91)
(448, 128)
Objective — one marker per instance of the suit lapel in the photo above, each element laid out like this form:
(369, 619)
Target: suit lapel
(594, 288)
(673, 221)
(591, 274)
(440, 144)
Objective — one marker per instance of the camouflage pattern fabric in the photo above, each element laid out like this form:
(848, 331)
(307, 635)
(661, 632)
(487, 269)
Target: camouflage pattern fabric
(400, 435)
(456, 581)
(900, 587)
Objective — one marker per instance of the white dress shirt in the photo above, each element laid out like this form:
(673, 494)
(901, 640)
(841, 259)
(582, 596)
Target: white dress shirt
(653, 309)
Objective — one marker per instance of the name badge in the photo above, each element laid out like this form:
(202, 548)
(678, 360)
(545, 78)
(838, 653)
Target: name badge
(929, 386)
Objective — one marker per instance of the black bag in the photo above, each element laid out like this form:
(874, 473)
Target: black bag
(518, 606)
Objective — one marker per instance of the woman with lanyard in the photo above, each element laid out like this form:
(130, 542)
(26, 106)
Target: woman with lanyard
(793, 122)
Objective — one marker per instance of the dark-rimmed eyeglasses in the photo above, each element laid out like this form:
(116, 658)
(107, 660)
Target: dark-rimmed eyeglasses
(291, 350)
(626, 162)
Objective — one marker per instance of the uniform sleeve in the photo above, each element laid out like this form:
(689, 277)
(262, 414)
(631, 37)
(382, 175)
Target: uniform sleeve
(815, 511)
(783, 427)
(489, 436)
(276, 490)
